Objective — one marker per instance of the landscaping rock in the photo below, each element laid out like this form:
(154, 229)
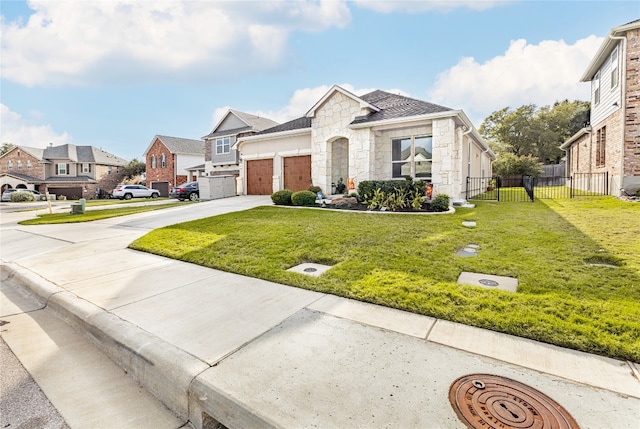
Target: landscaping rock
(344, 202)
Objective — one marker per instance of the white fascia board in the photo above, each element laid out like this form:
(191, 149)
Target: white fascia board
(605, 49)
(573, 138)
(270, 136)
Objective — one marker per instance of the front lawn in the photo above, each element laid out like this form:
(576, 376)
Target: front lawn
(90, 215)
(408, 261)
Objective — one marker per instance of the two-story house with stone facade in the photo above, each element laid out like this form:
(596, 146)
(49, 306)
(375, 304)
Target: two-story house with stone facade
(168, 160)
(611, 143)
(220, 158)
(376, 136)
(69, 170)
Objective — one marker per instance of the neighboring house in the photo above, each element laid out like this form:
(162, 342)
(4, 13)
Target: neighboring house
(376, 136)
(220, 157)
(611, 143)
(168, 158)
(70, 170)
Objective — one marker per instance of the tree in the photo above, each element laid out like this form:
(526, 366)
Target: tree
(6, 147)
(533, 131)
(134, 168)
(509, 164)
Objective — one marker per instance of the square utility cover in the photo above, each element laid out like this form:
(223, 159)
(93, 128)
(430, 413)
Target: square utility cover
(310, 269)
(489, 281)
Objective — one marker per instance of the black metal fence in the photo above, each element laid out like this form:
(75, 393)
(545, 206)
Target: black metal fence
(528, 188)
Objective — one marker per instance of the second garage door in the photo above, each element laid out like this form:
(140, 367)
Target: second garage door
(260, 177)
(297, 173)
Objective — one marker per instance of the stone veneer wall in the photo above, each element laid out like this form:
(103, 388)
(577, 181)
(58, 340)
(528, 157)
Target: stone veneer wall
(446, 158)
(331, 121)
(632, 120)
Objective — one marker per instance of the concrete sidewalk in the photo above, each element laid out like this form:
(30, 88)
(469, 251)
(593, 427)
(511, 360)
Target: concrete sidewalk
(219, 347)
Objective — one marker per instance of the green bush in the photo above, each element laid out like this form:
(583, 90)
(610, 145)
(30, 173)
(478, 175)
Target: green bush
(282, 198)
(303, 198)
(21, 197)
(366, 188)
(315, 189)
(440, 203)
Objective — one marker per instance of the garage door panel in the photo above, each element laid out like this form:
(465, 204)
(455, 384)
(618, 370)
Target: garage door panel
(297, 173)
(260, 177)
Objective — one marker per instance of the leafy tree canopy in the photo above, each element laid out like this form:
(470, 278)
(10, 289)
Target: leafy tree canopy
(538, 132)
(6, 147)
(134, 168)
(509, 164)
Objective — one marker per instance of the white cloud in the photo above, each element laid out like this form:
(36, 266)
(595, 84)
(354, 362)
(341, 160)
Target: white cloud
(92, 42)
(23, 132)
(541, 74)
(413, 6)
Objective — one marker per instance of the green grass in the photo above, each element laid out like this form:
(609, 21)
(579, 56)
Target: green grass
(409, 262)
(109, 202)
(90, 215)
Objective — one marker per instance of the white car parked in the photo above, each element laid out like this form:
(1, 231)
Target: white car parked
(126, 192)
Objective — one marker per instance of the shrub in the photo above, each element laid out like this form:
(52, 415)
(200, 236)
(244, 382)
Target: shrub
(282, 198)
(315, 189)
(21, 197)
(440, 203)
(303, 198)
(406, 187)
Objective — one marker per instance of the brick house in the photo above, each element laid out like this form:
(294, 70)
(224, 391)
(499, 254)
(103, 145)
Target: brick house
(69, 170)
(611, 143)
(168, 158)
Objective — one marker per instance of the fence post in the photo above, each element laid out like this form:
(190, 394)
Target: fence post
(498, 185)
(466, 193)
(571, 186)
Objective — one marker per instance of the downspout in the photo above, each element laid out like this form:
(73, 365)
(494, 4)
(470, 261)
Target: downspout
(623, 103)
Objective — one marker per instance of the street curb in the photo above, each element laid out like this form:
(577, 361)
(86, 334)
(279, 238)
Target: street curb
(163, 369)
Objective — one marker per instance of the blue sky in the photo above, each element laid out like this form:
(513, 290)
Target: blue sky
(115, 73)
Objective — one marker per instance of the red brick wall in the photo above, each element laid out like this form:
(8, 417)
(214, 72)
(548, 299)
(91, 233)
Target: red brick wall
(159, 173)
(632, 96)
(15, 155)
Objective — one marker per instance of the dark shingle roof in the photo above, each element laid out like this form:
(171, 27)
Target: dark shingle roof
(69, 179)
(180, 145)
(26, 178)
(88, 154)
(230, 132)
(393, 106)
(296, 124)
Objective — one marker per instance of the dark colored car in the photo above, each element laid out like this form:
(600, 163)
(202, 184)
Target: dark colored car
(186, 191)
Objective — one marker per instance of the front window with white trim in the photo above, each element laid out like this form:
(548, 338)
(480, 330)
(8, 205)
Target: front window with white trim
(86, 168)
(412, 156)
(61, 169)
(223, 145)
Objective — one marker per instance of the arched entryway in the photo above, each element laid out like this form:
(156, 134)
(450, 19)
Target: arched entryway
(339, 160)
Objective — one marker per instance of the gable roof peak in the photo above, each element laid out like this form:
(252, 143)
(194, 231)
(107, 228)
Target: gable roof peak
(335, 88)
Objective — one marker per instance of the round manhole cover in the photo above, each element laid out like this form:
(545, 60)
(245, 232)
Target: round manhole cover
(310, 270)
(483, 400)
(487, 282)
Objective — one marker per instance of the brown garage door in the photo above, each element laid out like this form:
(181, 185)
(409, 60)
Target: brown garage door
(260, 177)
(163, 187)
(297, 173)
(70, 193)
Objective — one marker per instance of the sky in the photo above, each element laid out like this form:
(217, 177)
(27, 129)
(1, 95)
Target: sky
(113, 74)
